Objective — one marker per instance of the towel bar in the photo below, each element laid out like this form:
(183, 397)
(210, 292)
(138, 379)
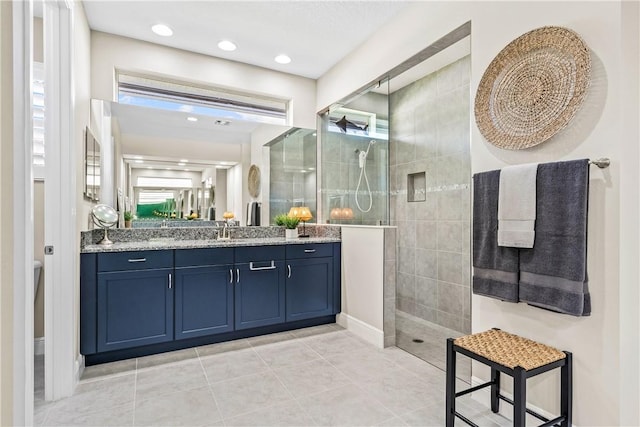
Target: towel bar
(602, 163)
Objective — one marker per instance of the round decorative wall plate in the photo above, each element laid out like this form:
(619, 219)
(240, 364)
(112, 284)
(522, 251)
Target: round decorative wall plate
(533, 88)
(254, 181)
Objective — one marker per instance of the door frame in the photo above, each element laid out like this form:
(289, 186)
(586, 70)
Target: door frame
(22, 211)
(61, 268)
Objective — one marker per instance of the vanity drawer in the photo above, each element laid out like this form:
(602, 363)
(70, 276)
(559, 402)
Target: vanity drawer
(204, 256)
(309, 250)
(259, 253)
(135, 260)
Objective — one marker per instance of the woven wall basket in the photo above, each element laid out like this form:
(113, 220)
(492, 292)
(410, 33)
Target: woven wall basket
(533, 88)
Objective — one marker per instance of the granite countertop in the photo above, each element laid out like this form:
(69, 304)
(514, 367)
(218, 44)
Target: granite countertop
(202, 243)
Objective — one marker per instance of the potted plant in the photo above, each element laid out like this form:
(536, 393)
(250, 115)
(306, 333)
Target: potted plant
(128, 216)
(290, 224)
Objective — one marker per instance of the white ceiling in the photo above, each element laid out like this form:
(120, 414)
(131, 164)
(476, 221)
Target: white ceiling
(315, 34)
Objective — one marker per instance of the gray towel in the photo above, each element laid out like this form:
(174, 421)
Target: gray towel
(553, 275)
(495, 268)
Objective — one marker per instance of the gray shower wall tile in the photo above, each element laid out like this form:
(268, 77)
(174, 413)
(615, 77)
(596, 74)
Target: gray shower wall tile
(452, 170)
(453, 75)
(466, 237)
(450, 267)
(427, 292)
(406, 236)
(450, 236)
(405, 149)
(427, 210)
(390, 273)
(450, 298)
(466, 269)
(426, 234)
(427, 313)
(406, 260)
(454, 106)
(390, 244)
(453, 138)
(408, 305)
(427, 263)
(449, 320)
(450, 205)
(406, 286)
(331, 179)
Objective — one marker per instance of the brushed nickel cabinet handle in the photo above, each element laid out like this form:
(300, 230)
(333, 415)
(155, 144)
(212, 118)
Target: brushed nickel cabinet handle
(288, 271)
(270, 267)
(170, 284)
(137, 259)
(230, 275)
(237, 275)
(309, 251)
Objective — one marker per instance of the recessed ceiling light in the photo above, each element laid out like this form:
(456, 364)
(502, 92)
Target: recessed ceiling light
(282, 59)
(184, 160)
(139, 161)
(186, 170)
(227, 45)
(162, 30)
(168, 169)
(149, 167)
(192, 119)
(181, 164)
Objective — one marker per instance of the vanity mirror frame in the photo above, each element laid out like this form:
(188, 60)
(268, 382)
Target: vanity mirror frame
(91, 166)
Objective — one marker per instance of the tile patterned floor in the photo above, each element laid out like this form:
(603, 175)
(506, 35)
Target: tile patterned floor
(433, 348)
(320, 376)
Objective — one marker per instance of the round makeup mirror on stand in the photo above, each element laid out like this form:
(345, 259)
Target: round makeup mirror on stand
(105, 217)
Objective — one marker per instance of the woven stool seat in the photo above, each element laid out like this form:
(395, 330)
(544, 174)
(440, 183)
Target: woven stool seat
(510, 350)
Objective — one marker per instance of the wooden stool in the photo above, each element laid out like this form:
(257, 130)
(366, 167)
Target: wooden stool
(518, 357)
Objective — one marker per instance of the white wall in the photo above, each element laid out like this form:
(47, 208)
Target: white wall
(600, 368)
(111, 53)
(362, 282)
(6, 219)
(82, 88)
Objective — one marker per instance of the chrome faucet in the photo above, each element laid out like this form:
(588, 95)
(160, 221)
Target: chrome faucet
(163, 224)
(226, 233)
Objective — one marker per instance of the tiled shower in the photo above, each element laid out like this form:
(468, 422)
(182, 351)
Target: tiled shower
(430, 204)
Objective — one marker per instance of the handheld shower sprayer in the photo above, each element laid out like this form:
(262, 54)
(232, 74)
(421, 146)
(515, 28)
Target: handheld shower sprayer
(362, 161)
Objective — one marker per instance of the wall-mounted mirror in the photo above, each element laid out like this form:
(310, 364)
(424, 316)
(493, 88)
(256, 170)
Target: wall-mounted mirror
(190, 166)
(91, 167)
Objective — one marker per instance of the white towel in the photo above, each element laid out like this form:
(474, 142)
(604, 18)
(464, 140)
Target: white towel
(517, 206)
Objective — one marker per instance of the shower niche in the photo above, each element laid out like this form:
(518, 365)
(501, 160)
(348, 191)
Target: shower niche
(417, 187)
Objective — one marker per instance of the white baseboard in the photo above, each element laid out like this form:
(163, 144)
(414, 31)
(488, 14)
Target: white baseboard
(483, 396)
(361, 329)
(38, 346)
(78, 369)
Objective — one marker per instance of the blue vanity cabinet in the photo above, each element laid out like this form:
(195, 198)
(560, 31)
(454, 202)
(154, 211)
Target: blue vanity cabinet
(134, 299)
(310, 290)
(204, 287)
(259, 280)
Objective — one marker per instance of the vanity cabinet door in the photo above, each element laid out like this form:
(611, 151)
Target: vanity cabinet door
(310, 289)
(135, 308)
(203, 300)
(259, 294)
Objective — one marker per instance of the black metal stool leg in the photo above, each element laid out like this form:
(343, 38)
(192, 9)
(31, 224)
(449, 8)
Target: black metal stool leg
(566, 390)
(451, 385)
(519, 397)
(495, 390)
